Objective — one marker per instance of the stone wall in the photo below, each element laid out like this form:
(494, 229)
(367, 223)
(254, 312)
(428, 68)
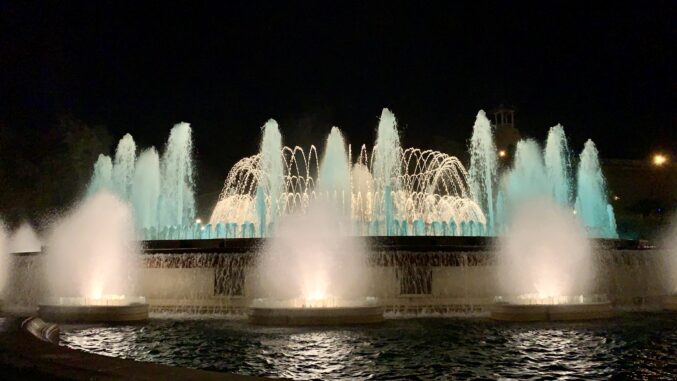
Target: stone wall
(408, 281)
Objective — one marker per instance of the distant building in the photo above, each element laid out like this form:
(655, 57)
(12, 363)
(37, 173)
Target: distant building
(506, 134)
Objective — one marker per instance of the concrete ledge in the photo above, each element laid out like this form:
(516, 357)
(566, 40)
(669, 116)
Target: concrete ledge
(136, 312)
(26, 355)
(316, 316)
(551, 312)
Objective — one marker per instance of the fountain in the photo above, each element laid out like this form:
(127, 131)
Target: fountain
(92, 263)
(145, 190)
(161, 190)
(545, 267)
(177, 199)
(392, 191)
(483, 167)
(311, 274)
(591, 202)
(389, 191)
(558, 165)
(310, 271)
(538, 173)
(123, 166)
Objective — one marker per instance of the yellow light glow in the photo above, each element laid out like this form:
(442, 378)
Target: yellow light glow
(502, 153)
(659, 159)
(198, 221)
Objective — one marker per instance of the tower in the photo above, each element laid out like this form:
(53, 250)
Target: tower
(504, 123)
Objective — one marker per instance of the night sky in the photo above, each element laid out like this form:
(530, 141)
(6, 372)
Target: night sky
(605, 72)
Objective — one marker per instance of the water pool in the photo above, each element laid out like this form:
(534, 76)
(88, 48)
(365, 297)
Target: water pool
(631, 346)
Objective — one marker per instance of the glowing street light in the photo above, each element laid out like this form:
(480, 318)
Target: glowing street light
(198, 221)
(659, 160)
(502, 153)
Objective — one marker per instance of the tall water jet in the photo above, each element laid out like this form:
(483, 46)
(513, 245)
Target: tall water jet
(362, 186)
(334, 176)
(177, 199)
(386, 169)
(93, 261)
(145, 191)
(123, 166)
(102, 176)
(592, 206)
(558, 165)
(388, 190)
(271, 176)
(545, 254)
(483, 166)
(526, 179)
(311, 273)
(24, 240)
(545, 267)
(91, 252)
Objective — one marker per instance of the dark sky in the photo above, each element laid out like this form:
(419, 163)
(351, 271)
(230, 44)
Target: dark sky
(605, 71)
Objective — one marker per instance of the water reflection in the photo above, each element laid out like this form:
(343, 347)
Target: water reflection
(559, 352)
(309, 355)
(637, 346)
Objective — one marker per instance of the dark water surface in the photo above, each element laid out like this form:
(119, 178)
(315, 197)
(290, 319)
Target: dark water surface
(632, 346)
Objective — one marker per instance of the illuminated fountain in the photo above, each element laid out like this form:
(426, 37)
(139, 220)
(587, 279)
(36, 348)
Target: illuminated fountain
(310, 272)
(539, 173)
(545, 267)
(92, 263)
(160, 189)
(390, 191)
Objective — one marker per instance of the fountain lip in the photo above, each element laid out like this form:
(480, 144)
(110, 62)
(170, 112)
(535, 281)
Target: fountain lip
(589, 307)
(103, 300)
(325, 303)
(560, 300)
(100, 310)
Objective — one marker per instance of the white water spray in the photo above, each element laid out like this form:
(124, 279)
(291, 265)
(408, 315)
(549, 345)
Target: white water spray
(123, 166)
(177, 201)
(545, 255)
(145, 191)
(558, 165)
(309, 263)
(24, 240)
(483, 167)
(91, 252)
(592, 206)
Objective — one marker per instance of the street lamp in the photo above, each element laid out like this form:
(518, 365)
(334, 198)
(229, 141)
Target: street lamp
(659, 160)
(502, 153)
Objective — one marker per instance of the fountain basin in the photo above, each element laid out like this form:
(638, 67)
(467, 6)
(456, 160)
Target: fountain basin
(316, 316)
(670, 303)
(129, 313)
(551, 312)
